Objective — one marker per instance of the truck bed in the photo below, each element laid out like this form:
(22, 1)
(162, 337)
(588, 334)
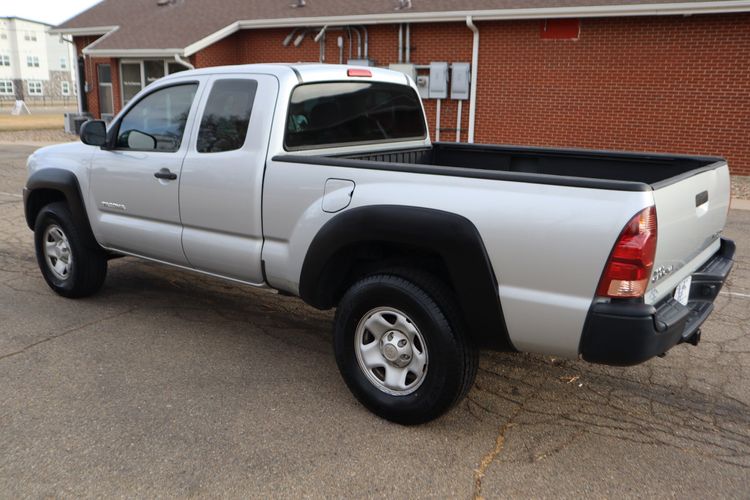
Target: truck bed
(575, 167)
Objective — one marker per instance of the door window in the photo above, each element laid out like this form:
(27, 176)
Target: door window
(157, 122)
(226, 117)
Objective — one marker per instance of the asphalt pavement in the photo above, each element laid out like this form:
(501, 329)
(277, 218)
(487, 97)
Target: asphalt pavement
(169, 383)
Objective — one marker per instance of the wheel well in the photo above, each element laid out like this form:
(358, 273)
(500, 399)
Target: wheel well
(353, 262)
(368, 239)
(38, 199)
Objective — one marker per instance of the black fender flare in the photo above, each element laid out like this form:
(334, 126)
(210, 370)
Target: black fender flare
(66, 183)
(452, 237)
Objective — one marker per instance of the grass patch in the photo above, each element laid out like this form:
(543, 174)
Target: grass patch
(9, 122)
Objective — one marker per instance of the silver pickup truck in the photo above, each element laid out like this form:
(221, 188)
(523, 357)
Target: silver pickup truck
(321, 181)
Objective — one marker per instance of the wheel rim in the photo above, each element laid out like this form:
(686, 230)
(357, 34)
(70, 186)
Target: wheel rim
(391, 351)
(57, 252)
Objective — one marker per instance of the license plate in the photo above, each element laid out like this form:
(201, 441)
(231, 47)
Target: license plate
(682, 293)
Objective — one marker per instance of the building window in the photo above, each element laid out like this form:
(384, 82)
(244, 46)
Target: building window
(63, 63)
(106, 99)
(35, 87)
(174, 67)
(65, 88)
(4, 60)
(3, 36)
(6, 87)
(32, 61)
(134, 75)
(132, 80)
(29, 36)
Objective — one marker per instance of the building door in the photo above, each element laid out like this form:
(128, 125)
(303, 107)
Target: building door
(134, 185)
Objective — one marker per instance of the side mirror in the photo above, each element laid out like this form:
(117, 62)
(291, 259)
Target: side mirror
(141, 141)
(94, 133)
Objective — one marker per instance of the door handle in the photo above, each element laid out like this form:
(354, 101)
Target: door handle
(164, 173)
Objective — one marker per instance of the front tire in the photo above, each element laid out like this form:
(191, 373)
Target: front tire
(69, 267)
(400, 347)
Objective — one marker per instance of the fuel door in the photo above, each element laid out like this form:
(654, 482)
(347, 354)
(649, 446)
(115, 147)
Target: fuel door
(337, 195)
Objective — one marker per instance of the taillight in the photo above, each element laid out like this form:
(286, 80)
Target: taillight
(629, 266)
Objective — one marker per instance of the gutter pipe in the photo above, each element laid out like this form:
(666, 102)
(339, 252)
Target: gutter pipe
(184, 62)
(473, 92)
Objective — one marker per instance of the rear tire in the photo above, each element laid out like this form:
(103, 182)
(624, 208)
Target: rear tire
(400, 346)
(69, 267)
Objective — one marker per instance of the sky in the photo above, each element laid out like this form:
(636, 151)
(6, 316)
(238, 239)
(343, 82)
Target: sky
(47, 11)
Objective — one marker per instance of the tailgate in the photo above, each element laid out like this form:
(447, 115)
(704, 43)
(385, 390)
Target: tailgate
(691, 212)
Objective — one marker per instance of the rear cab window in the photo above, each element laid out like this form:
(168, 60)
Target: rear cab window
(227, 115)
(330, 114)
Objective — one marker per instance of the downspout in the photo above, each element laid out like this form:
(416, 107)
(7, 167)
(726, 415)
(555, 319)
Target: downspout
(407, 59)
(359, 42)
(320, 38)
(367, 38)
(180, 60)
(400, 43)
(473, 91)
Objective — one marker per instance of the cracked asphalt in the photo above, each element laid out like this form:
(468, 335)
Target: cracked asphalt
(168, 383)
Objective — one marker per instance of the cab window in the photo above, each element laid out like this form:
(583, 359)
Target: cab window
(227, 115)
(341, 113)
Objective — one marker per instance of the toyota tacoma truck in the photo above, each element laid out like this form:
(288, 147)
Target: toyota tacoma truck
(321, 181)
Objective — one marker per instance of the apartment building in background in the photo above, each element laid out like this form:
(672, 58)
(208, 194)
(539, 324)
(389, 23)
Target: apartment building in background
(35, 66)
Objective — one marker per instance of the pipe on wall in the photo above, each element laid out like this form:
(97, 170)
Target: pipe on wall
(359, 42)
(458, 121)
(180, 60)
(474, 64)
(400, 43)
(437, 121)
(407, 59)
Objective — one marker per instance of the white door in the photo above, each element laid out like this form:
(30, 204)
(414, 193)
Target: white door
(222, 177)
(135, 181)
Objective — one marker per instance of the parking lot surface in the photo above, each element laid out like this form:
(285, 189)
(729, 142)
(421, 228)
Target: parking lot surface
(171, 383)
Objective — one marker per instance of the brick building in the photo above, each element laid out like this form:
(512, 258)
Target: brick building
(607, 74)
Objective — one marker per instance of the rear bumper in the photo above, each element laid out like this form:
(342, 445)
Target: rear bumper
(628, 333)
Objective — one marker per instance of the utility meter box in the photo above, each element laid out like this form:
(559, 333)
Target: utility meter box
(408, 69)
(423, 85)
(460, 80)
(438, 80)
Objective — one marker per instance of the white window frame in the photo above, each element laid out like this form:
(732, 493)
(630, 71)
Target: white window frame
(143, 73)
(4, 60)
(35, 82)
(29, 36)
(65, 88)
(63, 63)
(32, 61)
(6, 84)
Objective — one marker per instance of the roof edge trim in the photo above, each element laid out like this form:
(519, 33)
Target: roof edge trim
(653, 9)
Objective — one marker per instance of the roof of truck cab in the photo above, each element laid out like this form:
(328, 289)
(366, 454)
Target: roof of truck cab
(301, 72)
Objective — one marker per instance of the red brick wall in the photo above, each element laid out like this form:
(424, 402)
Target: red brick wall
(675, 84)
(661, 84)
